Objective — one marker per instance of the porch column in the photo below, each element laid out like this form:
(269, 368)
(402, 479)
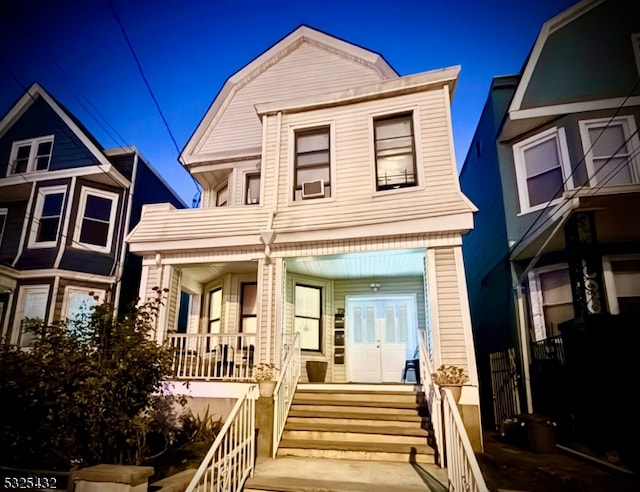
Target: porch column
(270, 295)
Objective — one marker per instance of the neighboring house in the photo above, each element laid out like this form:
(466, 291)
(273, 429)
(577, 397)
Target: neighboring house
(65, 207)
(553, 264)
(331, 207)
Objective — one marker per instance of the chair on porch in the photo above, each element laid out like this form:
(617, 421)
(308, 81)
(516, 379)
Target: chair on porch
(412, 365)
(225, 361)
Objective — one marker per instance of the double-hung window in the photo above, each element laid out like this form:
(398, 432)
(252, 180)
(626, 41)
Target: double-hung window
(252, 189)
(551, 300)
(78, 304)
(308, 316)
(95, 224)
(30, 155)
(395, 152)
(215, 310)
(312, 172)
(610, 147)
(542, 167)
(249, 308)
(47, 218)
(32, 304)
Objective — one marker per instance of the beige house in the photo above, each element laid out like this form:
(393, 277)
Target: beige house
(330, 207)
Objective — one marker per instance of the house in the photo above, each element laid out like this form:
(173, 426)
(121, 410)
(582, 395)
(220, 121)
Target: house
(331, 208)
(65, 207)
(553, 264)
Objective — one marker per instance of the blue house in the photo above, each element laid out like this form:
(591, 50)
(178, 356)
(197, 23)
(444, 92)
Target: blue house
(65, 207)
(553, 263)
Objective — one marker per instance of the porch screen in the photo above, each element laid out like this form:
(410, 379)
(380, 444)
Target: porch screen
(308, 315)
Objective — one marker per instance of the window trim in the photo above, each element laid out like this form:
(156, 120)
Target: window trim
(241, 314)
(628, 128)
(5, 213)
(519, 148)
(245, 180)
(82, 208)
(37, 215)
(23, 292)
(33, 143)
(293, 131)
(321, 319)
(210, 291)
(75, 289)
(397, 116)
(536, 299)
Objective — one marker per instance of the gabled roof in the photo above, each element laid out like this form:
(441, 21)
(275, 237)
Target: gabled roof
(30, 96)
(271, 56)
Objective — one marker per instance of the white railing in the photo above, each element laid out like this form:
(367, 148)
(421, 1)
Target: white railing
(463, 470)
(213, 356)
(231, 458)
(453, 448)
(285, 389)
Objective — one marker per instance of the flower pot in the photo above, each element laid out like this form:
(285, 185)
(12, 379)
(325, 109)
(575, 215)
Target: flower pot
(316, 371)
(266, 387)
(456, 390)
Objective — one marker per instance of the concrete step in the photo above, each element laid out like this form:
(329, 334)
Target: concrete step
(390, 429)
(351, 437)
(359, 396)
(357, 419)
(369, 412)
(335, 401)
(292, 484)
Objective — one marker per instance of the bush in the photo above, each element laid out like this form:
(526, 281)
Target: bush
(88, 391)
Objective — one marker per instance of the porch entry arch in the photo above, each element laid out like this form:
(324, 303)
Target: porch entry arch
(381, 336)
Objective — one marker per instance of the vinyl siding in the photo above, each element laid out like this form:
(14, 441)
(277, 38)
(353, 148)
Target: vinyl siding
(307, 70)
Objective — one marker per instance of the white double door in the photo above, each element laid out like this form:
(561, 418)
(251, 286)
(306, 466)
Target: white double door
(381, 336)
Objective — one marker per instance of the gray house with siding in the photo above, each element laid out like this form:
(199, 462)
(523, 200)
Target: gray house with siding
(553, 264)
(65, 207)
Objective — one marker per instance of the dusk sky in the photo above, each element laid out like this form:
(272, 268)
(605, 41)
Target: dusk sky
(188, 48)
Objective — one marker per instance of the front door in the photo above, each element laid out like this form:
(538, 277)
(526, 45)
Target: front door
(381, 335)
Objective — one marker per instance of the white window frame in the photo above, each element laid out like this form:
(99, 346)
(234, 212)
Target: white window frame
(82, 207)
(5, 213)
(245, 189)
(293, 129)
(35, 221)
(633, 143)
(33, 143)
(536, 299)
(24, 291)
(69, 290)
(520, 166)
(417, 145)
(610, 281)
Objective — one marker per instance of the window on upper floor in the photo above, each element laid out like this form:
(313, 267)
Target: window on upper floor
(252, 189)
(222, 196)
(45, 226)
(543, 170)
(30, 155)
(96, 220)
(395, 152)
(3, 221)
(312, 171)
(308, 316)
(551, 299)
(249, 307)
(610, 147)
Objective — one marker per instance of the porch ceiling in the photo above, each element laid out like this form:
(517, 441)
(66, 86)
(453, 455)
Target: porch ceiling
(207, 272)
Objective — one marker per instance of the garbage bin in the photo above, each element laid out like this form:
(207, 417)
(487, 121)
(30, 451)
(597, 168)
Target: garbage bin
(541, 432)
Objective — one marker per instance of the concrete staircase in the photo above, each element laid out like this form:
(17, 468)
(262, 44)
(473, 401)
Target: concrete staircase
(360, 429)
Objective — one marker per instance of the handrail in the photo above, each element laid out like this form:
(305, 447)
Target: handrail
(284, 390)
(231, 458)
(432, 397)
(463, 470)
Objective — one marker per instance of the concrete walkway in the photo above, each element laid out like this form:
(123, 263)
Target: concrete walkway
(302, 474)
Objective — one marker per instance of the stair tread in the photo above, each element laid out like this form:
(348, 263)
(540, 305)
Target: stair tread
(297, 400)
(356, 446)
(298, 412)
(359, 429)
(357, 392)
(292, 484)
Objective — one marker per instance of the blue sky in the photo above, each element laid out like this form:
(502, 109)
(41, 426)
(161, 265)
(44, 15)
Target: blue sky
(188, 48)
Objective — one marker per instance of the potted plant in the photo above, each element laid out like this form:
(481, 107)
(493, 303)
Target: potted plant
(452, 378)
(265, 376)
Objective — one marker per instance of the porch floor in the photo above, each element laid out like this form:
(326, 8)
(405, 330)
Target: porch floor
(301, 474)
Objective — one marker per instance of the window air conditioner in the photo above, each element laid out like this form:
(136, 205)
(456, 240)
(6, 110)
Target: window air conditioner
(313, 189)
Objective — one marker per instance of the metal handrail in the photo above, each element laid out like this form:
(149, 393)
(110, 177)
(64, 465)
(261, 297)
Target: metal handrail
(231, 458)
(284, 390)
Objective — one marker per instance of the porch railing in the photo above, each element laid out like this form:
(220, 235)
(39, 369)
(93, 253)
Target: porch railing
(231, 458)
(453, 448)
(285, 389)
(213, 356)
(504, 382)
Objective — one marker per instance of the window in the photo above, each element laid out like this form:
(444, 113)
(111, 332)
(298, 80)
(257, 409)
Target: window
(215, 310)
(45, 225)
(551, 300)
(32, 302)
(249, 308)
(308, 316)
(395, 152)
(94, 227)
(30, 155)
(622, 283)
(78, 302)
(222, 196)
(542, 165)
(609, 148)
(3, 221)
(252, 189)
(312, 173)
